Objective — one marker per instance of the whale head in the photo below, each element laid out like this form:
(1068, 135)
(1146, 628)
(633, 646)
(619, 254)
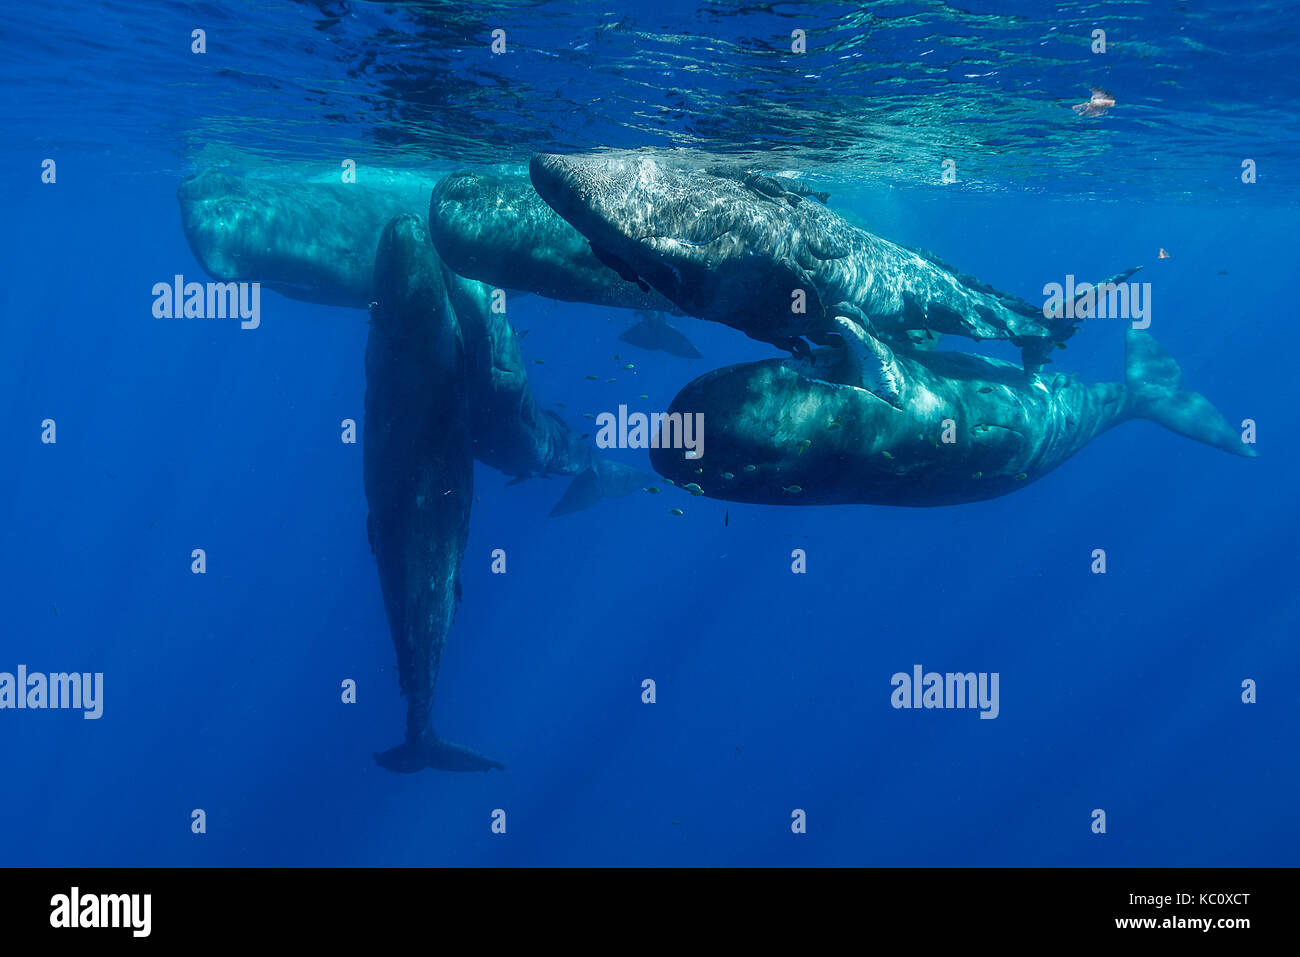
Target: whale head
(633, 211)
(713, 245)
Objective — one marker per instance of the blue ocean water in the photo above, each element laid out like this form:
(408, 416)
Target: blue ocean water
(1120, 692)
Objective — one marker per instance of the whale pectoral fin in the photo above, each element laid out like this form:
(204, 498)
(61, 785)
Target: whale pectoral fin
(794, 345)
(849, 310)
(871, 363)
(923, 340)
(945, 319)
(624, 270)
(435, 753)
(655, 332)
(1034, 356)
(1114, 280)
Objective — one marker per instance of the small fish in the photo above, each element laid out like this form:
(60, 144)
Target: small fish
(1060, 345)
(832, 427)
(792, 489)
(652, 490)
(804, 446)
(670, 481)
(675, 511)
(693, 488)
(751, 468)
(585, 435)
(886, 453)
(587, 415)
(630, 366)
(726, 518)
(643, 396)
(540, 362)
(593, 378)
(699, 471)
(561, 405)
(1222, 272)
(728, 476)
(617, 357)
(56, 609)
(611, 380)
(988, 388)
(976, 474)
(1022, 475)
(521, 333)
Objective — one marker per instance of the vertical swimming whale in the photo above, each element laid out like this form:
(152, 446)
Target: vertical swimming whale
(419, 478)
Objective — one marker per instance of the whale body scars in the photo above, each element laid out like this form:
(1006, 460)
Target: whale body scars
(495, 228)
(960, 428)
(419, 475)
(766, 259)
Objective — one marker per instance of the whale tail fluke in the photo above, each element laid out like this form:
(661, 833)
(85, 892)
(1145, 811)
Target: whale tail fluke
(605, 479)
(430, 751)
(1154, 381)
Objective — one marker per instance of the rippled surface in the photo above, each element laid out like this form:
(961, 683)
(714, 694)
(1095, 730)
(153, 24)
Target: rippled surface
(885, 90)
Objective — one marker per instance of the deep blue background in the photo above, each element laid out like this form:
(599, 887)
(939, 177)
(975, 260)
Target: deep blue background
(222, 691)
